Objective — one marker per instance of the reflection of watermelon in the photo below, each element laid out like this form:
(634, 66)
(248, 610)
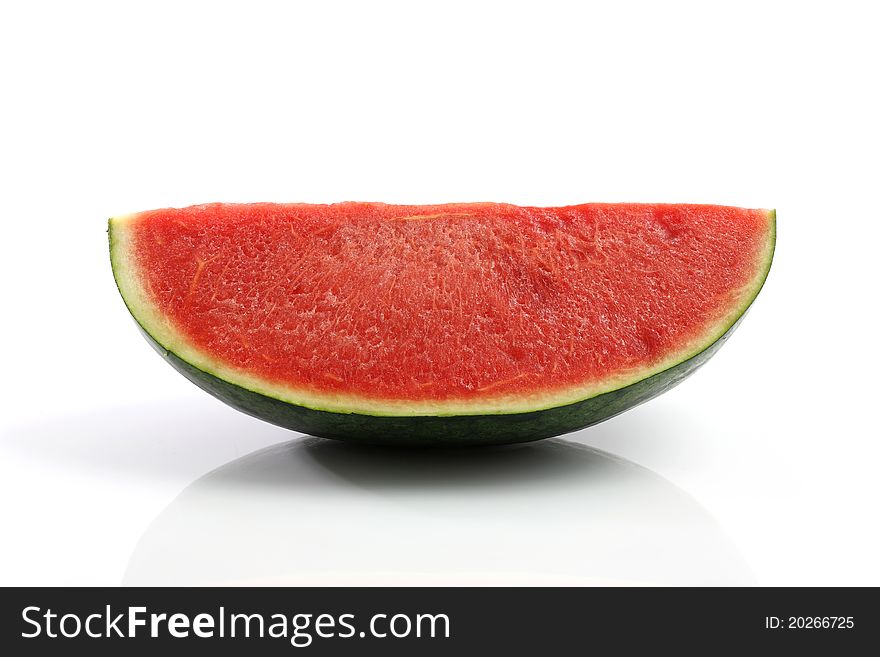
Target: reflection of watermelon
(461, 323)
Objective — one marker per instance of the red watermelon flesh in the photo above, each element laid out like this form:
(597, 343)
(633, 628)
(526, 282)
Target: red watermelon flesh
(448, 303)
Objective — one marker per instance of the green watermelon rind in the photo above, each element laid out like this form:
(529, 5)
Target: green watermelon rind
(456, 429)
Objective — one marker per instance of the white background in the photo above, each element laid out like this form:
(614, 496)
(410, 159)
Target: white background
(759, 469)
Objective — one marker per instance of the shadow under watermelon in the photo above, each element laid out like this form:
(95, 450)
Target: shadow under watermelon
(313, 511)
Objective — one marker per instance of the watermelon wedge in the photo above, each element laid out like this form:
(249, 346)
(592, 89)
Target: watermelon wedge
(462, 323)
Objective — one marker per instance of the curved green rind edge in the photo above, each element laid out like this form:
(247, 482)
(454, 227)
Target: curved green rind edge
(443, 430)
(448, 430)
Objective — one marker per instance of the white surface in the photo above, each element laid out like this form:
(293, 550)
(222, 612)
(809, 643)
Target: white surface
(761, 468)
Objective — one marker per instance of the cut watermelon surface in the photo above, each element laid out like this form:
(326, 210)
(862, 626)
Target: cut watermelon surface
(460, 323)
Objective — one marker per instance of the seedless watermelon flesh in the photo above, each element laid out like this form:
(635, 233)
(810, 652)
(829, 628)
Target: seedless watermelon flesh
(460, 323)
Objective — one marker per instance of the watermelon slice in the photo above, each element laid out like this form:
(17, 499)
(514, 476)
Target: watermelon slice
(461, 323)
